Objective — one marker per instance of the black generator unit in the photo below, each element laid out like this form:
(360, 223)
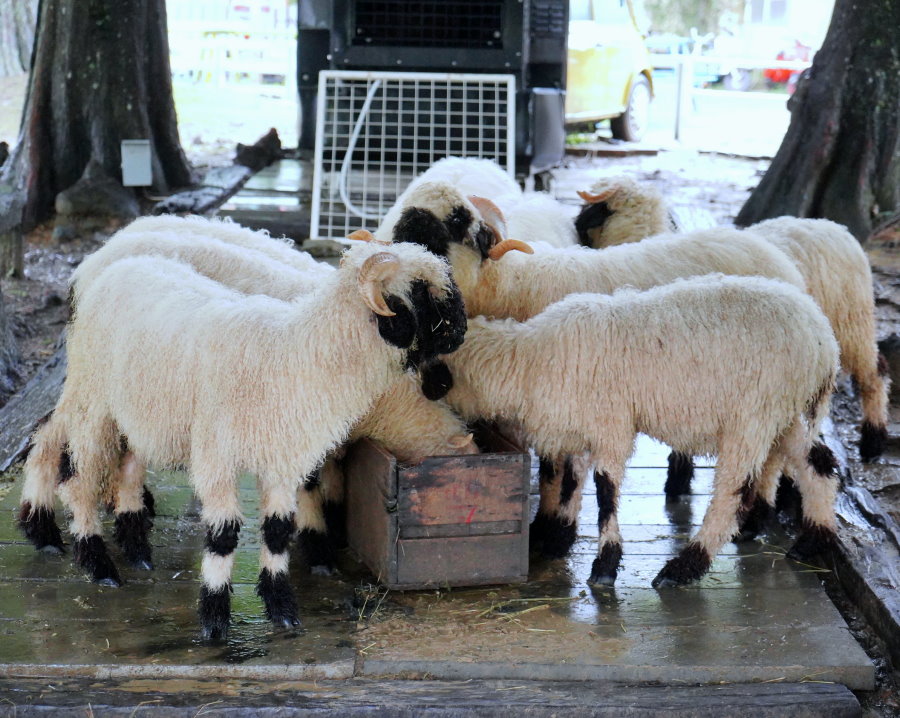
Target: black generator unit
(523, 38)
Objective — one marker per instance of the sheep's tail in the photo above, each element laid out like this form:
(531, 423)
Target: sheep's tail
(47, 465)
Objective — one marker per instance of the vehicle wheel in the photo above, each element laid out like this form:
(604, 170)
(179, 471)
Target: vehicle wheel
(631, 124)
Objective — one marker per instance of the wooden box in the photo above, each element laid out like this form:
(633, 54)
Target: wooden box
(449, 521)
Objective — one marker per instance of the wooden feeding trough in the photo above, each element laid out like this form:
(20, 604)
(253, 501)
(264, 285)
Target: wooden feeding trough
(448, 521)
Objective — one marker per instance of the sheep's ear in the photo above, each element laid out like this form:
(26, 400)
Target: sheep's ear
(398, 329)
(462, 440)
(595, 198)
(492, 217)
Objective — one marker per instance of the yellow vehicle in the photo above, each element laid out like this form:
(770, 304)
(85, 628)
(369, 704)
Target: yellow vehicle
(608, 73)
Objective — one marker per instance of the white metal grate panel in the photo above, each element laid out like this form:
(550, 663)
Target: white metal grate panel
(375, 131)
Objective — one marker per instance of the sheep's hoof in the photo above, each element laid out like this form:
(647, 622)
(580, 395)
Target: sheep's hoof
(323, 570)
(754, 522)
(286, 621)
(52, 550)
(687, 566)
(872, 441)
(91, 555)
(215, 612)
(278, 598)
(606, 566)
(814, 541)
(213, 634)
(39, 527)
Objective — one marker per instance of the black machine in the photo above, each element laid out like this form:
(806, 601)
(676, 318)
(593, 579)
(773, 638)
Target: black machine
(524, 38)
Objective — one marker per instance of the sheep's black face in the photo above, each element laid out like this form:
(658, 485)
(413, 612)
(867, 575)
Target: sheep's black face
(421, 226)
(591, 218)
(430, 325)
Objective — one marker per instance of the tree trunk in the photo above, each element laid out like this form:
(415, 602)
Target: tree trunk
(840, 158)
(17, 22)
(100, 75)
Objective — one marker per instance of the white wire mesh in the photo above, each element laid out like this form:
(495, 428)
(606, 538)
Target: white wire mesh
(375, 131)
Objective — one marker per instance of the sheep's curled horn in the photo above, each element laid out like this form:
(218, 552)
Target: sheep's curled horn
(594, 198)
(494, 219)
(374, 272)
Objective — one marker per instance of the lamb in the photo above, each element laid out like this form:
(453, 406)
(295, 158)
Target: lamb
(407, 424)
(833, 264)
(313, 367)
(695, 364)
(531, 216)
(450, 225)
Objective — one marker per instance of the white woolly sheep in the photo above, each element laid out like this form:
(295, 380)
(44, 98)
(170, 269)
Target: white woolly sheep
(406, 423)
(833, 264)
(530, 216)
(520, 287)
(695, 364)
(171, 359)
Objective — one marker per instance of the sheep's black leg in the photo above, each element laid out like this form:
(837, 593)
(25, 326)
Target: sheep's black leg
(818, 488)
(606, 566)
(872, 441)
(90, 554)
(752, 522)
(274, 587)
(39, 526)
(215, 593)
(552, 533)
(37, 519)
(679, 475)
(131, 534)
(133, 522)
(690, 564)
(312, 538)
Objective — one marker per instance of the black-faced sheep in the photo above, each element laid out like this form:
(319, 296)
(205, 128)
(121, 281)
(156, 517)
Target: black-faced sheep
(466, 231)
(741, 367)
(196, 374)
(530, 216)
(407, 424)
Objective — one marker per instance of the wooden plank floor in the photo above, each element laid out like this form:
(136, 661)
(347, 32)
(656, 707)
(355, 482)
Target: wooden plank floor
(755, 617)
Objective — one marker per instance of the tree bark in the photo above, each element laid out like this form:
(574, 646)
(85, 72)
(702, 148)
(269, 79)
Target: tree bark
(100, 75)
(9, 355)
(17, 23)
(840, 158)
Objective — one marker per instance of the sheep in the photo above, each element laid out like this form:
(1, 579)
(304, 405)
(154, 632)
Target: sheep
(228, 382)
(742, 367)
(531, 216)
(619, 210)
(833, 264)
(402, 419)
(449, 224)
